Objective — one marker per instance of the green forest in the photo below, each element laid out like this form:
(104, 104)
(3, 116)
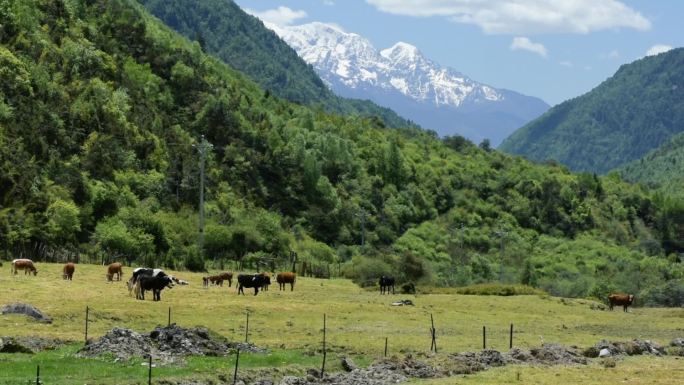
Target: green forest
(631, 113)
(102, 113)
(660, 169)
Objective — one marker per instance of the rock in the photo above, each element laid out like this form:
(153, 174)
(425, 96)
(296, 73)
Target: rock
(677, 342)
(291, 380)
(348, 364)
(604, 353)
(26, 309)
(631, 348)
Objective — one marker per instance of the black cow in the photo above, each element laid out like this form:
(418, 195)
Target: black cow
(385, 284)
(154, 283)
(252, 280)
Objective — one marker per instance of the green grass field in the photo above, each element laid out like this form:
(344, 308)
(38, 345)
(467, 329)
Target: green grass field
(290, 323)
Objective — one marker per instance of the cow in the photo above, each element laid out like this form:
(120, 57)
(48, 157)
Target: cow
(283, 278)
(23, 264)
(218, 279)
(267, 282)
(68, 271)
(385, 284)
(114, 269)
(140, 272)
(252, 280)
(624, 300)
(154, 283)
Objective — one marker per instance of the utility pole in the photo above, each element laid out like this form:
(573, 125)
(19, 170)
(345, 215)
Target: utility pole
(203, 147)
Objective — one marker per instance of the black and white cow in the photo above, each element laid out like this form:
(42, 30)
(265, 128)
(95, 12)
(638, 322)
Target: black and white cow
(154, 283)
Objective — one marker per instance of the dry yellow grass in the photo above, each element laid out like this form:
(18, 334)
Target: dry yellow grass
(631, 371)
(358, 320)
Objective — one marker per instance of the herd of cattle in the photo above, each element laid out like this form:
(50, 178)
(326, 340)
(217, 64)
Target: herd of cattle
(156, 280)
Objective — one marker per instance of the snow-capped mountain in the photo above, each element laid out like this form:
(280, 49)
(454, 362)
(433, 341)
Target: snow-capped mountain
(401, 78)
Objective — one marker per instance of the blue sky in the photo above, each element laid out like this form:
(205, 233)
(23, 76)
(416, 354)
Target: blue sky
(552, 49)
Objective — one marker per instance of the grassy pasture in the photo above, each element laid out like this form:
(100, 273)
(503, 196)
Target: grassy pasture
(358, 320)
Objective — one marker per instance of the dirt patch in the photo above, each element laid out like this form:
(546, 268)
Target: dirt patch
(167, 345)
(28, 344)
(26, 309)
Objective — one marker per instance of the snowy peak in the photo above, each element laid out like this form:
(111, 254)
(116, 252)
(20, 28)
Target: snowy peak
(402, 52)
(349, 60)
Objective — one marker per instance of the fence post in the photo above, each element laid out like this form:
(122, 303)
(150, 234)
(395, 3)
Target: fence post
(510, 340)
(484, 337)
(385, 346)
(237, 359)
(247, 329)
(86, 325)
(169, 323)
(38, 375)
(324, 349)
(433, 333)
(149, 373)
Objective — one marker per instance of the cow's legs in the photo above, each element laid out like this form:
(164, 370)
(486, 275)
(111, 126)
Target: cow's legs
(256, 290)
(291, 286)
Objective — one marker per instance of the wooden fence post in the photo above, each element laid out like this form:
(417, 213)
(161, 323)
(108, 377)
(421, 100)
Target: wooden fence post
(86, 325)
(237, 359)
(149, 373)
(247, 329)
(484, 337)
(385, 346)
(169, 322)
(510, 340)
(324, 348)
(433, 333)
(38, 375)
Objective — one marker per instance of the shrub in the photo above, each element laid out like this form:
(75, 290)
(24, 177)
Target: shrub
(669, 294)
(498, 289)
(367, 271)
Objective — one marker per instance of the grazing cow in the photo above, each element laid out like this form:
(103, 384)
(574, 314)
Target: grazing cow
(283, 278)
(624, 300)
(154, 283)
(114, 269)
(218, 279)
(252, 280)
(68, 271)
(386, 283)
(23, 264)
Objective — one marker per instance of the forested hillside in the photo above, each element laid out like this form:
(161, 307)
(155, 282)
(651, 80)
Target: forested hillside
(224, 30)
(631, 113)
(102, 109)
(661, 169)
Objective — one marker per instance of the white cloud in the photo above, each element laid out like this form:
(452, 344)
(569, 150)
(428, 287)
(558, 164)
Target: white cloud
(658, 49)
(566, 63)
(278, 16)
(525, 44)
(517, 17)
(328, 2)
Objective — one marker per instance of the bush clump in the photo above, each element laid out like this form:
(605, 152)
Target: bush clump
(498, 289)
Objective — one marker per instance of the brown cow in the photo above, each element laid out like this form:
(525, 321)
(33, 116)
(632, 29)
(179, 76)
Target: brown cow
(68, 271)
(114, 269)
(23, 264)
(218, 279)
(283, 278)
(623, 300)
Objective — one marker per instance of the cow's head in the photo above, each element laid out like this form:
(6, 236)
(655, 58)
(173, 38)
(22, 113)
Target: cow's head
(35, 272)
(631, 298)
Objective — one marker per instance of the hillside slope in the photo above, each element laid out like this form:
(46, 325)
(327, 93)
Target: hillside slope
(631, 113)
(241, 40)
(662, 168)
(103, 110)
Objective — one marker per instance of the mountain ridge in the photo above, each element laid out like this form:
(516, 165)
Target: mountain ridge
(402, 78)
(620, 120)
